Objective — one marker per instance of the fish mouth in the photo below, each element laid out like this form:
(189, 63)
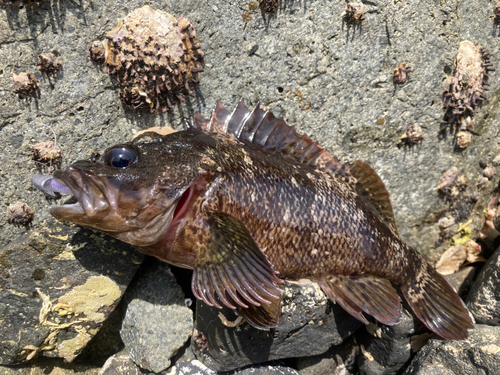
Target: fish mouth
(93, 203)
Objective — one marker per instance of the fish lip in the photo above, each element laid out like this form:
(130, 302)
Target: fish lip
(90, 194)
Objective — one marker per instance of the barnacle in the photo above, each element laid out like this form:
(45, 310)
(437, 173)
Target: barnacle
(46, 153)
(156, 58)
(452, 183)
(19, 214)
(401, 74)
(252, 5)
(268, 6)
(247, 16)
(48, 63)
(465, 91)
(412, 135)
(22, 3)
(353, 13)
(496, 13)
(25, 84)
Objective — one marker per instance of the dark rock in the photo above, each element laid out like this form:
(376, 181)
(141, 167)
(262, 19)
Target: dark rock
(338, 360)
(52, 366)
(484, 298)
(120, 364)
(309, 325)
(157, 322)
(462, 280)
(267, 370)
(479, 354)
(57, 287)
(386, 348)
(190, 368)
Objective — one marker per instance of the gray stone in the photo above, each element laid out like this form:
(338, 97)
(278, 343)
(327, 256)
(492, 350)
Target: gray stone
(309, 325)
(55, 295)
(388, 348)
(267, 370)
(157, 323)
(52, 366)
(120, 364)
(462, 280)
(479, 354)
(338, 360)
(190, 368)
(484, 298)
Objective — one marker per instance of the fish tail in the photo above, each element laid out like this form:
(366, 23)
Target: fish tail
(437, 304)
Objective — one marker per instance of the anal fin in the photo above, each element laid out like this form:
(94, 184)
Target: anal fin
(357, 294)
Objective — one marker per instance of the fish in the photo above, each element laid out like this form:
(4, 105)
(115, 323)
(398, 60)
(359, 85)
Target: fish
(246, 202)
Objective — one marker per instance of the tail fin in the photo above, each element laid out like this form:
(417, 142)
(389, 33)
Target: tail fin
(437, 305)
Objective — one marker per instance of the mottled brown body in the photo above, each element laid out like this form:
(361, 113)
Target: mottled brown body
(309, 223)
(246, 202)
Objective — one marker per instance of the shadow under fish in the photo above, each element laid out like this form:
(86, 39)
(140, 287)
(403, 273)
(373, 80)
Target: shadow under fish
(245, 202)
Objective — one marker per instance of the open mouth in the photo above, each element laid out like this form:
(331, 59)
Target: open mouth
(90, 196)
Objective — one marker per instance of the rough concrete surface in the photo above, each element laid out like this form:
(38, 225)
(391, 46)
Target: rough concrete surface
(301, 54)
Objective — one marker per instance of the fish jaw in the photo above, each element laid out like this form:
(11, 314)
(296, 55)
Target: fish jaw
(139, 217)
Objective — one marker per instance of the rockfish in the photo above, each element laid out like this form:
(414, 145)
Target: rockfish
(246, 202)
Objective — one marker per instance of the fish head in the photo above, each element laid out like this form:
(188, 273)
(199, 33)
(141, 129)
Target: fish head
(132, 191)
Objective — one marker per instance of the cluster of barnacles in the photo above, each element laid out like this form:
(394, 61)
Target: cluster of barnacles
(26, 84)
(465, 91)
(156, 59)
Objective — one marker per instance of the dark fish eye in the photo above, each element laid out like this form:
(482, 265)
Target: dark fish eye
(120, 157)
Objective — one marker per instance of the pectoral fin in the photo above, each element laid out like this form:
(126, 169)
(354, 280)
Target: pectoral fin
(368, 294)
(231, 269)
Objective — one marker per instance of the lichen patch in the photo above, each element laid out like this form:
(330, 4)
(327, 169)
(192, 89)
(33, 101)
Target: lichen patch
(97, 292)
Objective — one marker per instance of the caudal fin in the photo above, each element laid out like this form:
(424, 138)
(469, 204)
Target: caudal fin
(437, 305)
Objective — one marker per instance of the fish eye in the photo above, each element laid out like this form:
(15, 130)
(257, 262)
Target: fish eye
(120, 157)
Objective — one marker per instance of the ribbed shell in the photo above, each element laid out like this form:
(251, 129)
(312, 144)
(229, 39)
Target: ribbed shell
(155, 57)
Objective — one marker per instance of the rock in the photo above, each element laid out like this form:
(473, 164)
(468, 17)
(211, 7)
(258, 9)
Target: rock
(190, 368)
(52, 366)
(386, 349)
(309, 325)
(157, 323)
(55, 295)
(120, 364)
(267, 370)
(483, 300)
(338, 360)
(462, 280)
(479, 354)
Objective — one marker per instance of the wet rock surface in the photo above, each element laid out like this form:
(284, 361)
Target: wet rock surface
(157, 321)
(479, 354)
(55, 294)
(386, 349)
(309, 325)
(328, 79)
(483, 300)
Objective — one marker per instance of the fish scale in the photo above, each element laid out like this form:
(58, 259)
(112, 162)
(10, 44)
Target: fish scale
(246, 203)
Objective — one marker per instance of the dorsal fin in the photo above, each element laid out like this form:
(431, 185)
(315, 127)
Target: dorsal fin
(262, 128)
(370, 185)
